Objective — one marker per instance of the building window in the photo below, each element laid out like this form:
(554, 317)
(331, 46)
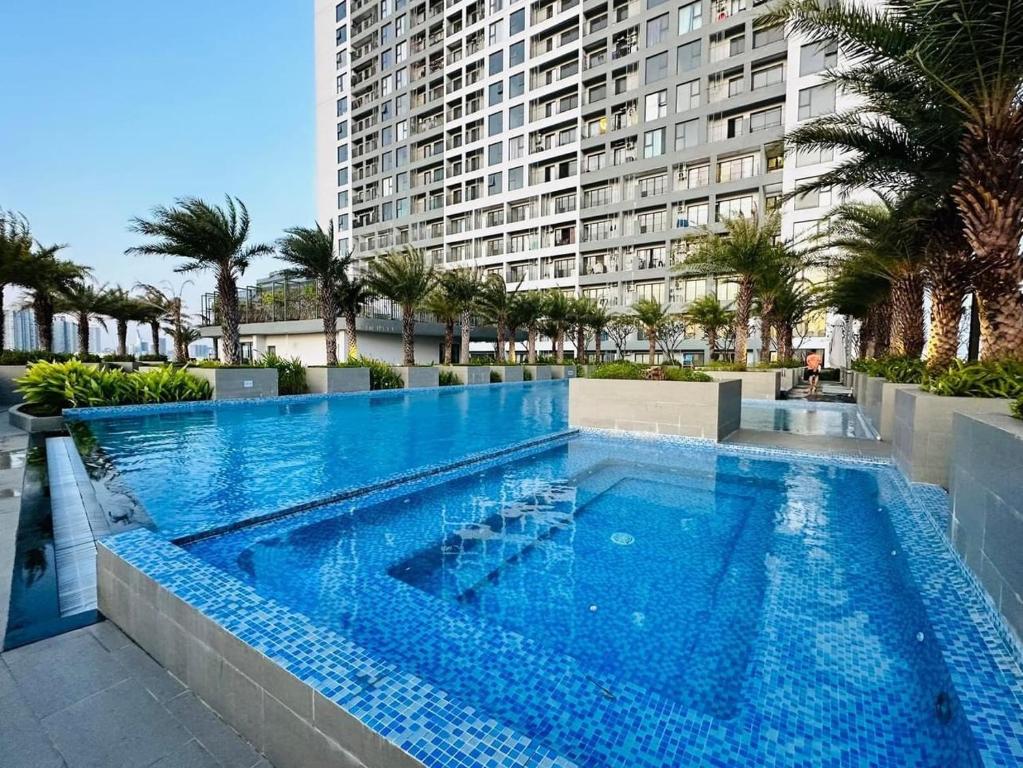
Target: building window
(764, 119)
(401, 157)
(515, 178)
(494, 124)
(689, 56)
(816, 58)
(656, 30)
(495, 93)
(772, 75)
(687, 134)
(495, 65)
(340, 11)
(816, 100)
(687, 95)
(516, 116)
(494, 183)
(736, 207)
(516, 54)
(814, 156)
(656, 68)
(653, 143)
(813, 198)
(494, 154)
(697, 215)
(690, 17)
(656, 105)
(516, 147)
(516, 85)
(517, 22)
(767, 35)
(342, 106)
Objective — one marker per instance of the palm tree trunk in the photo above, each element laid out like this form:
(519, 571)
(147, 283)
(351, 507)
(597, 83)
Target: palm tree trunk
(743, 307)
(1001, 314)
(230, 318)
(559, 346)
(3, 325)
(83, 334)
(651, 342)
(154, 335)
(973, 345)
(531, 345)
(946, 312)
(122, 338)
(449, 341)
(907, 317)
(328, 311)
(712, 343)
(352, 333)
(42, 309)
(499, 349)
(580, 343)
(596, 345)
(466, 328)
(785, 332)
(408, 334)
(765, 337)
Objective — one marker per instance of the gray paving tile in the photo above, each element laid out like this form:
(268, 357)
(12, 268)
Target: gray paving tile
(24, 742)
(192, 755)
(120, 727)
(143, 668)
(58, 672)
(7, 684)
(109, 636)
(215, 735)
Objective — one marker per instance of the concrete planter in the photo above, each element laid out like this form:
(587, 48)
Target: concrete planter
(756, 385)
(886, 426)
(860, 387)
(562, 371)
(414, 376)
(125, 365)
(34, 424)
(708, 410)
(468, 374)
(922, 436)
(509, 373)
(8, 375)
(871, 405)
(239, 383)
(987, 506)
(322, 379)
(539, 372)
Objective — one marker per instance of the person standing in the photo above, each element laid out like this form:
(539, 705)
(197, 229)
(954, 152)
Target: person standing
(814, 364)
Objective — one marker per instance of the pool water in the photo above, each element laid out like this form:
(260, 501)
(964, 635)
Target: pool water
(626, 603)
(806, 418)
(193, 469)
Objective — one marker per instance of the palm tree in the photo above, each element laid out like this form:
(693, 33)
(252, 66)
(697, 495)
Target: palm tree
(582, 307)
(124, 308)
(440, 304)
(206, 237)
(557, 313)
(353, 293)
(310, 252)
(528, 309)
(167, 306)
(708, 313)
(496, 302)
(865, 295)
(775, 280)
(792, 305)
(405, 278)
(463, 286)
(650, 315)
(741, 251)
(15, 247)
(45, 278)
(597, 321)
(87, 303)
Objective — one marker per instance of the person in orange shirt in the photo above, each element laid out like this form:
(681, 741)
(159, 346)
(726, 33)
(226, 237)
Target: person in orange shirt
(814, 363)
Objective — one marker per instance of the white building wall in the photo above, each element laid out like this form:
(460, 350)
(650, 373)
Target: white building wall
(311, 350)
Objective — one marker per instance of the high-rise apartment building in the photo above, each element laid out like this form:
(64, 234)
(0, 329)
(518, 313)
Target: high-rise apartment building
(20, 330)
(565, 144)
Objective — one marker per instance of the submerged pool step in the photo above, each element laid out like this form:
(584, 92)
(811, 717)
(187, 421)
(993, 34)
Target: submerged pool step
(77, 523)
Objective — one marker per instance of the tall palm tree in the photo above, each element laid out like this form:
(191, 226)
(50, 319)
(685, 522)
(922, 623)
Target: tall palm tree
(650, 315)
(598, 319)
(311, 254)
(792, 305)
(353, 292)
(86, 302)
(741, 251)
(46, 276)
(773, 282)
(711, 315)
(405, 278)
(206, 237)
(557, 313)
(497, 305)
(15, 247)
(166, 303)
(124, 308)
(529, 312)
(865, 295)
(463, 286)
(582, 308)
(440, 304)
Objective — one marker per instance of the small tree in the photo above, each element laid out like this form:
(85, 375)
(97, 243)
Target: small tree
(86, 303)
(708, 313)
(619, 328)
(582, 309)
(670, 335)
(557, 314)
(440, 304)
(597, 321)
(405, 278)
(463, 287)
(496, 303)
(650, 315)
(353, 292)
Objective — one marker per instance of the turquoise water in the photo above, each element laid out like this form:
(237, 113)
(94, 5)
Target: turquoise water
(806, 418)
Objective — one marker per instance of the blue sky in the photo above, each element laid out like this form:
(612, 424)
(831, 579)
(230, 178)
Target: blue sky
(110, 107)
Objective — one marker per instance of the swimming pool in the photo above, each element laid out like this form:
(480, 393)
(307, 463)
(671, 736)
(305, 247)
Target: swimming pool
(806, 418)
(625, 604)
(204, 465)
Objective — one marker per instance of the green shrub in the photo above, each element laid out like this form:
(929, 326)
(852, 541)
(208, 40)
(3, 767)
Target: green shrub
(381, 374)
(153, 358)
(527, 375)
(495, 377)
(621, 369)
(904, 370)
(676, 373)
(977, 379)
(208, 364)
(118, 358)
(290, 373)
(1017, 408)
(770, 365)
(48, 388)
(723, 365)
(448, 378)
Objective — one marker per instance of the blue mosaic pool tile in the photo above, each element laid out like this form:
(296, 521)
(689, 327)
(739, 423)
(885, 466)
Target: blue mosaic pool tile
(654, 731)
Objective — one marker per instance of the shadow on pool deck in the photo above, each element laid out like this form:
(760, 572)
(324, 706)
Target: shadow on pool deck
(820, 444)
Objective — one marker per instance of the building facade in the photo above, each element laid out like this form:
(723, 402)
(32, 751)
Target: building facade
(570, 144)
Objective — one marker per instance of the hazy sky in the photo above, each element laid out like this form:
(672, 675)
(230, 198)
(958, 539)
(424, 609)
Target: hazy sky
(110, 107)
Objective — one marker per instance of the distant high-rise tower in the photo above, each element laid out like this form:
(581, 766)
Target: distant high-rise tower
(95, 339)
(65, 336)
(20, 329)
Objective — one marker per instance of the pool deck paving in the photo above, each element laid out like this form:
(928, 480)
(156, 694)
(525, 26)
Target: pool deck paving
(93, 699)
(817, 444)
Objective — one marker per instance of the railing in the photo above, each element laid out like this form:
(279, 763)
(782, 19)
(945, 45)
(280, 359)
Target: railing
(287, 301)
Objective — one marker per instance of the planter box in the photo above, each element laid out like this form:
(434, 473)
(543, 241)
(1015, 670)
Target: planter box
(871, 405)
(922, 438)
(322, 379)
(860, 387)
(987, 506)
(415, 376)
(562, 371)
(540, 372)
(509, 373)
(8, 373)
(239, 383)
(34, 424)
(125, 365)
(886, 426)
(708, 410)
(468, 374)
(756, 385)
